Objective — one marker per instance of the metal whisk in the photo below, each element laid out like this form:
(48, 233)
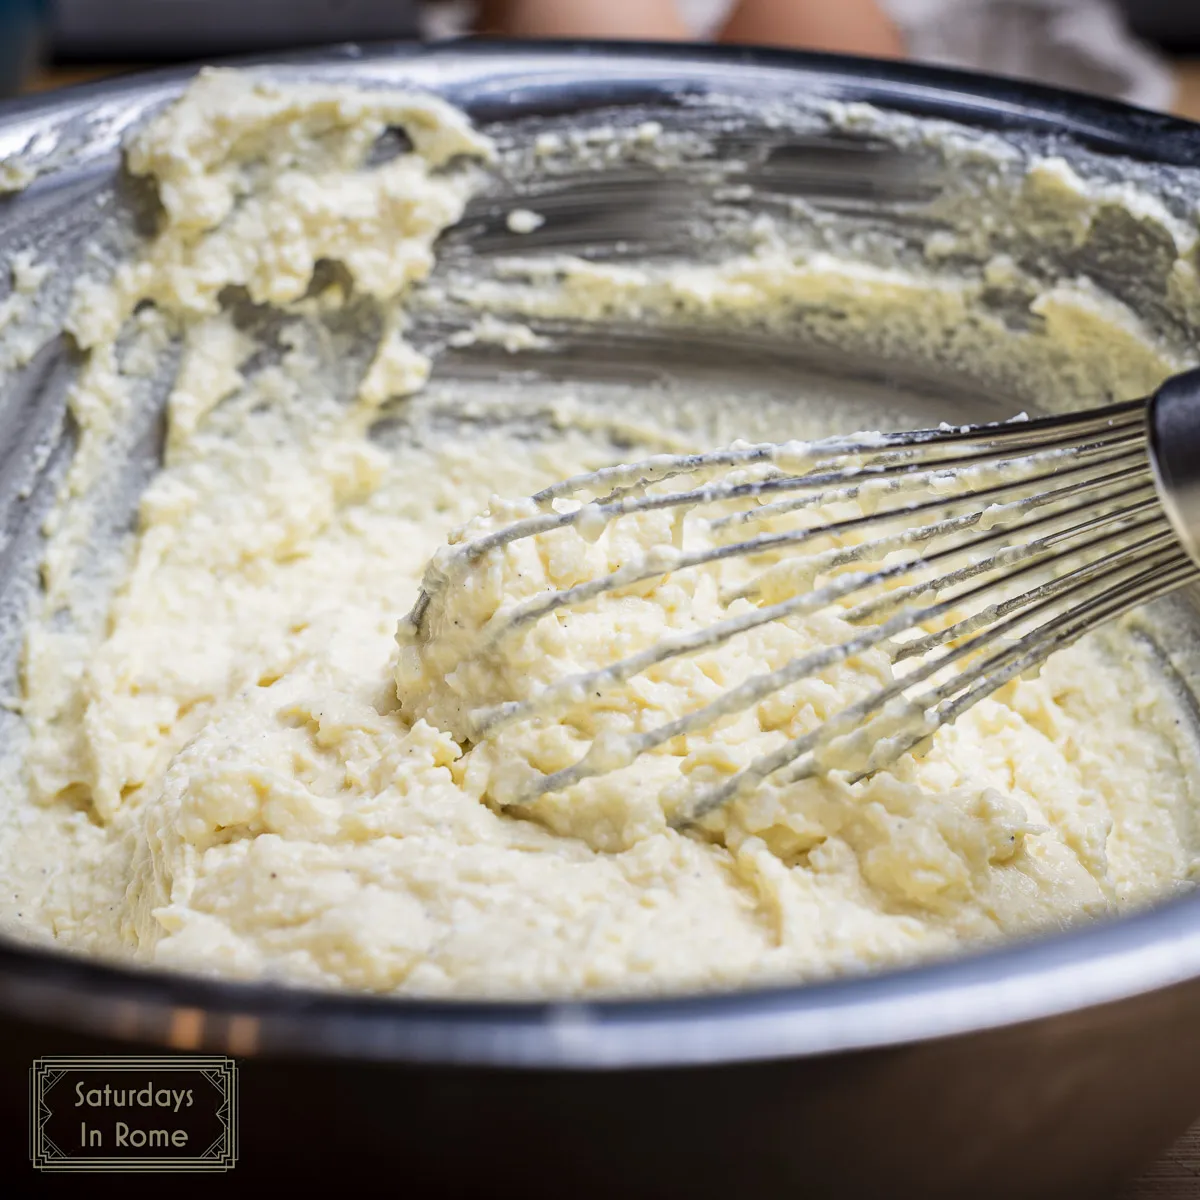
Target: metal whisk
(975, 552)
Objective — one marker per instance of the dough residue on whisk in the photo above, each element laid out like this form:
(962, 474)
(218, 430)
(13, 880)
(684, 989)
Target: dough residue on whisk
(235, 768)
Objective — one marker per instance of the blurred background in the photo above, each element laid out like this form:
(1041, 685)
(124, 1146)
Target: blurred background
(1146, 52)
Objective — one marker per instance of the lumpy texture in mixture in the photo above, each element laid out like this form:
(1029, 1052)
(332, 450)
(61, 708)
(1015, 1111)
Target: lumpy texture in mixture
(243, 769)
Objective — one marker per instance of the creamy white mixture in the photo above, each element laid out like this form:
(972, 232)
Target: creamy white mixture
(245, 770)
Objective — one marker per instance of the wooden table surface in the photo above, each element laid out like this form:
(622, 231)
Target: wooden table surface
(1176, 1176)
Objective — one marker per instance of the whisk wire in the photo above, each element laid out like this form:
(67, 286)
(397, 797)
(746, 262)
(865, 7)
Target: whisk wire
(976, 552)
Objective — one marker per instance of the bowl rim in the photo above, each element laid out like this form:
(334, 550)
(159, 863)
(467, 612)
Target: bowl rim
(986, 988)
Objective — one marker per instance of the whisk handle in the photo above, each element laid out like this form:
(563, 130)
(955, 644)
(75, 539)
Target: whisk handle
(1173, 429)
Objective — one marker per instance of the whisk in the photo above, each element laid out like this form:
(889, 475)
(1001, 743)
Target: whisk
(973, 554)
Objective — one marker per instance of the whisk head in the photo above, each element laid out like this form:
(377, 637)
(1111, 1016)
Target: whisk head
(940, 564)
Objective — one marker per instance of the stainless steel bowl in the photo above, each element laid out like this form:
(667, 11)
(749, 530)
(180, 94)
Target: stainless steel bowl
(1053, 1068)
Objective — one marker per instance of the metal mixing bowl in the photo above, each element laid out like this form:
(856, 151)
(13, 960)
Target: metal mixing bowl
(1053, 1068)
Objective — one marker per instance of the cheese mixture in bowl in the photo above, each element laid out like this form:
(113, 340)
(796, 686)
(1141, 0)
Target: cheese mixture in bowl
(235, 765)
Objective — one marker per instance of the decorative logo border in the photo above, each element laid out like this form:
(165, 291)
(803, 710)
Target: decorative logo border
(220, 1156)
